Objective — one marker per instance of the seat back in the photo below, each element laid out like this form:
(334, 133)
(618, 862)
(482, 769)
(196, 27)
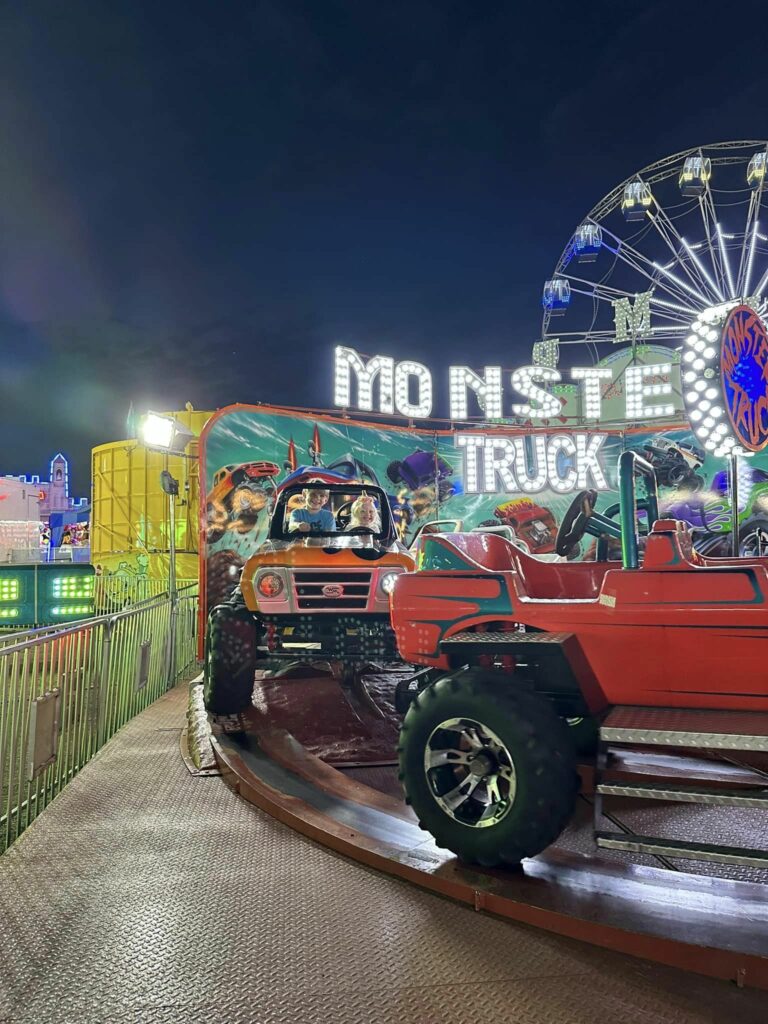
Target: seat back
(669, 545)
(536, 579)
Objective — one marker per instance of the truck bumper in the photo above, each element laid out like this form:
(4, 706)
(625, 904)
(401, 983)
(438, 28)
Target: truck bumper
(335, 637)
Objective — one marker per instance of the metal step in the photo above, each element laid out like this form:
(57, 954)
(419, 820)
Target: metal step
(504, 640)
(677, 727)
(705, 795)
(688, 851)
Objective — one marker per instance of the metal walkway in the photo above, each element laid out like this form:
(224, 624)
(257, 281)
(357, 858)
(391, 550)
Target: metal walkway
(144, 894)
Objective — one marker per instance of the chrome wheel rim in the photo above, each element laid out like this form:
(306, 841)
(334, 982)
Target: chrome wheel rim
(470, 772)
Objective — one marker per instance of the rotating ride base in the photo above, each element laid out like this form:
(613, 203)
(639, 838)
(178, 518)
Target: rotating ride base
(709, 925)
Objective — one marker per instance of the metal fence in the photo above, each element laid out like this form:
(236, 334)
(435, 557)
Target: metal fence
(113, 592)
(65, 690)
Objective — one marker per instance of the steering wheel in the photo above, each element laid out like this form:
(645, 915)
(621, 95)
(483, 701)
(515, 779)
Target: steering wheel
(343, 515)
(575, 522)
(360, 529)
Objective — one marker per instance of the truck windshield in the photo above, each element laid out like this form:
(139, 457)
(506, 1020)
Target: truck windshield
(336, 514)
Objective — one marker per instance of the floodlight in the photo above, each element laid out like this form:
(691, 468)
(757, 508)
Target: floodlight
(164, 433)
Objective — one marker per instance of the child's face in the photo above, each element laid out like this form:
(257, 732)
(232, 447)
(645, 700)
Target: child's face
(316, 499)
(366, 514)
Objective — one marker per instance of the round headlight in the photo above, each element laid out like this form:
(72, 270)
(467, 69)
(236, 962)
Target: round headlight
(388, 581)
(269, 584)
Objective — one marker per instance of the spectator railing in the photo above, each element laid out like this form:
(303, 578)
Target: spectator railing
(65, 690)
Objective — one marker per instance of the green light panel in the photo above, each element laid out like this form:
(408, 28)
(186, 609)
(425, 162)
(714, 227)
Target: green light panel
(9, 613)
(9, 589)
(72, 609)
(72, 587)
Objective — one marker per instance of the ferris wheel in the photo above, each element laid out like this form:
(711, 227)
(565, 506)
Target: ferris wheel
(680, 236)
(661, 260)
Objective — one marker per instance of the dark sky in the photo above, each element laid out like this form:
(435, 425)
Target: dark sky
(198, 200)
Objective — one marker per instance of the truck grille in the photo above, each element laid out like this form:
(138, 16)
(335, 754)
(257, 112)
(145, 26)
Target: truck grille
(344, 591)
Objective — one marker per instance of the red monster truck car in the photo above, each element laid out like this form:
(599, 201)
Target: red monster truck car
(513, 646)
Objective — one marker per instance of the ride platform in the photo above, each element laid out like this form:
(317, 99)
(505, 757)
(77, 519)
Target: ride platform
(322, 761)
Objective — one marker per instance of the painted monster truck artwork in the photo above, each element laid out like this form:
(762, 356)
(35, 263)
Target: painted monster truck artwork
(513, 646)
(530, 523)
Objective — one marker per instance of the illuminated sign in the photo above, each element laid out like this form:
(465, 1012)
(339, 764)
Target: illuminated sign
(406, 389)
(725, 378)
(561, 462)
(744, 376)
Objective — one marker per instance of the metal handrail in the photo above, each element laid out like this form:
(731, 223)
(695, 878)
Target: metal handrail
(64, 691)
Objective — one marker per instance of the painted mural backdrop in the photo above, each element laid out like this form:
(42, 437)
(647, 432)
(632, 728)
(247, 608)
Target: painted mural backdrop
(480, 478)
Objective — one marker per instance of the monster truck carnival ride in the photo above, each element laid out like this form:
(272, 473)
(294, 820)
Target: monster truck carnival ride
(668, 649)
(316, 590)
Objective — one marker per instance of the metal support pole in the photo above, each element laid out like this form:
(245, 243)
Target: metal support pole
(734, 474)
(172, 593)
(172, 548)
(103, 692)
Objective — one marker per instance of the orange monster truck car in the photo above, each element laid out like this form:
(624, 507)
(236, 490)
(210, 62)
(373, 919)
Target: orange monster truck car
(317, 589)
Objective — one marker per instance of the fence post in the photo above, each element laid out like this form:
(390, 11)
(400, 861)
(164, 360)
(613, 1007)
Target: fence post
(106, 643)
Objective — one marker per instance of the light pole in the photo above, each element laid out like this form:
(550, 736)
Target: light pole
(734, 467)
(733, 460)
(170, 486)
(165, 434)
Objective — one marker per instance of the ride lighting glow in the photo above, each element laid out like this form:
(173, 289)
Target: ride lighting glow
(546, 405)
(487, 390)
(422, 407)
(561, 462)
(592, 388)
(9, 613)
(71, 609)
(388, 581)
(638, 389)
(725, 393)
(357, 377)
(157, 431)
(72, 586)
(10, 589)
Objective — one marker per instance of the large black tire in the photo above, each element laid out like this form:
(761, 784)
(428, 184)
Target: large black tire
(539, 746)
(584, 733)
(231, 658)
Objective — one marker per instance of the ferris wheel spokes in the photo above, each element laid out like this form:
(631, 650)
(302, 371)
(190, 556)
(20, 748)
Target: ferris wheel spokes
(709, 221)
(634, 259)
(698, 289)
(726, 261)
(604, 293)
(750, 236)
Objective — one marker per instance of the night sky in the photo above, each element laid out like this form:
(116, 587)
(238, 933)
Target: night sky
(198, 200)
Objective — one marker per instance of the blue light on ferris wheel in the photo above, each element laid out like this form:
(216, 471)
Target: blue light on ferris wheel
(587, 240)
(556, 296)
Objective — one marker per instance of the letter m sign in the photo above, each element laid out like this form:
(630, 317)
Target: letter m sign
(632, 321)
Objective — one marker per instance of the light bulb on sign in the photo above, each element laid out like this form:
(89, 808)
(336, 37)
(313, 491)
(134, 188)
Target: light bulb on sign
(547, 405)
(422, 407)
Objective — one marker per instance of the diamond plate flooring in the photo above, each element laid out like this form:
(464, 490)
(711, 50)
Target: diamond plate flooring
(145, 894)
